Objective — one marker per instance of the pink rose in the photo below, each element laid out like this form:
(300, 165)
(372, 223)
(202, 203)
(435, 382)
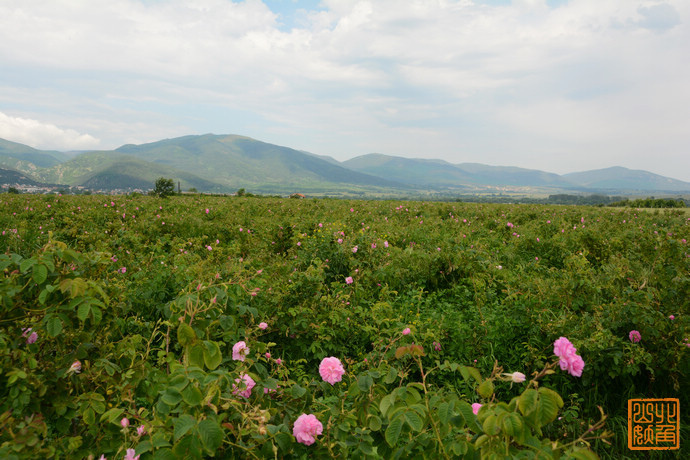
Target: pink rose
(475, 408)
(306, 428)
(516, 377)
(124, 422)
(75, 367)
(263, 326)
(239, 351)
(249, 384)
(349, 280)
(331, 370)
(635, 336)
(406, 331)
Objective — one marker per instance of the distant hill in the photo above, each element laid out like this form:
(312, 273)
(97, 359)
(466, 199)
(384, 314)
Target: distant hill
(510, 175)
(226, 163)
(237, 161)
(619, 178)
(27, 159)
(12, 177)
(432, 173)
(107, 170)
(410, 170)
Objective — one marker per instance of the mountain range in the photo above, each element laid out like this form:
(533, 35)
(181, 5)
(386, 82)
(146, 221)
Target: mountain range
(225, 163)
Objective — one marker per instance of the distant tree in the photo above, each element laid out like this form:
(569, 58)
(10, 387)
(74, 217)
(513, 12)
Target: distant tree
(164, 187)
(241, 192)
(192, 190)
(12, 190)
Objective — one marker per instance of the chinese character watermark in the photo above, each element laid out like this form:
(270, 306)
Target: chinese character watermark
(653, 424)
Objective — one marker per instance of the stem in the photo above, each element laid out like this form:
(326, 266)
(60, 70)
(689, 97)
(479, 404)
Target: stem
(428, 409)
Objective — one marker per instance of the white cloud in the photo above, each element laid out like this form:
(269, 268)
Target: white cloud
(360, 76)
(43, 135)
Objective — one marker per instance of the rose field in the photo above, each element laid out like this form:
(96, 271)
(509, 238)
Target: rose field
(196, 326)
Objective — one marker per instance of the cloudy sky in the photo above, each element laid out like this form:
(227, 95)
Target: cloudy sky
(556, 85)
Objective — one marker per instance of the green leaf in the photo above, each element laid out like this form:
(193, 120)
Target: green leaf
(54, 326)
(211, 435)
(444, 412)
(414, 420)
(490, 427)
(171, 397)
(511, 424)
(284, 441)
(164, 454)
(185, 334)
(192, 395)
(582, 453)
(195, 355)
(550, 403)
(89, 417)
(97, 314)
(528, 401)
(393, 431)
(365, 382)
(143, 446)
(83, 311)
(112, 415)
(26, 264)
(375, 423)
(392, 376)
(212, 355)
(182, 425)
(42, 296)
(297, 391)
(486, 389)
(385, 404)
(39, 273)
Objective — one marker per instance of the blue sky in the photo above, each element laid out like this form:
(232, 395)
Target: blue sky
(556, 85)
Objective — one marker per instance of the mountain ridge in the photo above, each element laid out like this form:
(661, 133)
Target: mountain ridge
(224, 163)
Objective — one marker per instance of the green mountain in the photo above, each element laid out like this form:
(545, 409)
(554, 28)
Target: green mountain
(239, 162)
(27, 159)
(434, 173)
(11, 177)
(409, 170)
(510, 175)
(225, 163)
(624, 179)
(107, 170)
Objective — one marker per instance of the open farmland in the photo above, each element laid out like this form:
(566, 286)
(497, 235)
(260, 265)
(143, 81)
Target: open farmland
(204, 320)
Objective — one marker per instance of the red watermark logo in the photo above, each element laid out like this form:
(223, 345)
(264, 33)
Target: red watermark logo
(653, 424)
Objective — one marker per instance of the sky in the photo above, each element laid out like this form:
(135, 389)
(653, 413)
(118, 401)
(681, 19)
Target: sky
(554, 85)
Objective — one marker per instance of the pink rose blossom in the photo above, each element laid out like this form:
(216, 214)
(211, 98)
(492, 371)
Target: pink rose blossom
(279, 361)
(124, 422)
(349, 280)
(331, 370)
(239, 351)
(671, 317)
(131, 455)
(306, 428)
(516, 377)
(437, 346)
(75, 367)
(475, 408)
(141, 430)
(406, 331)
(635, 336)
(569, 360)
(248, 382)
(263, 326)
(354, 250)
